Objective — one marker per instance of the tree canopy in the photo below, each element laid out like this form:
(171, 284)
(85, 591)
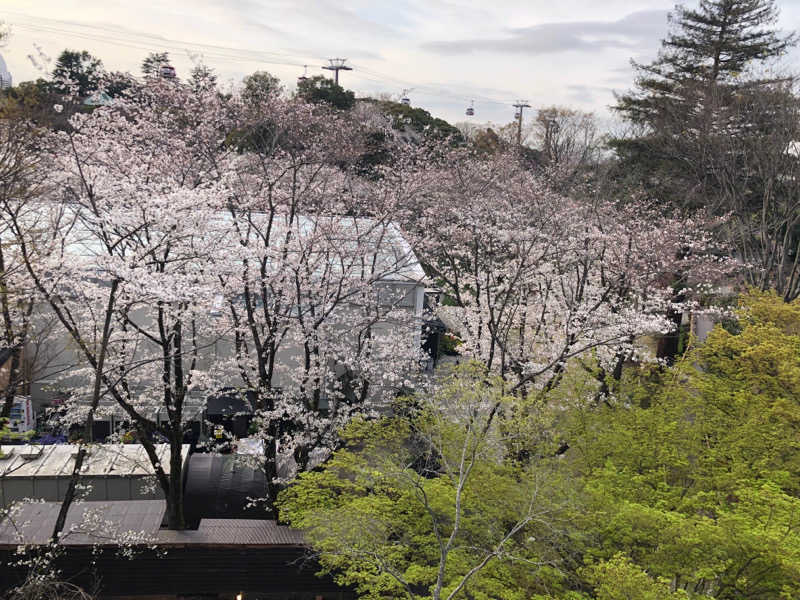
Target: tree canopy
(424, 506)
(319, 89)
(694, 472)
(77, 68)
(152, 63)
(260, 87)
(716, 43)
(683, 484)
(711, 129)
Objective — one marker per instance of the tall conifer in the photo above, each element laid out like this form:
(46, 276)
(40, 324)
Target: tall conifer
(714, 45)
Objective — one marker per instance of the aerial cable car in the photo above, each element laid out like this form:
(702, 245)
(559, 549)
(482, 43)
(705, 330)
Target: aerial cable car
(167, 71)
(470, 108)
(405, 99)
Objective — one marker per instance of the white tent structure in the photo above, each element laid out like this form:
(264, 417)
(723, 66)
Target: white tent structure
(111, 471)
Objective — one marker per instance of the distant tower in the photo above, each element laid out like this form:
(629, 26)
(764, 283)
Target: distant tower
(336, 65)
(5, 76)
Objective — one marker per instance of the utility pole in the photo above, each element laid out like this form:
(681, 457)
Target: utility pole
(336, 65)
(550, 131)
(519, 105)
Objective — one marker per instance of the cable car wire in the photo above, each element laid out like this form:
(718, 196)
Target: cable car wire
(145, 41)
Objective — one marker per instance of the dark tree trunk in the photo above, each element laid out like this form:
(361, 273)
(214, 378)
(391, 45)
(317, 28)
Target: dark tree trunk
(14, 381)
(175, 516)
(69, 495)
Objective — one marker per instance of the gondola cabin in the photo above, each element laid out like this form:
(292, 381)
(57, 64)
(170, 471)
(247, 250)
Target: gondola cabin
(168, 72)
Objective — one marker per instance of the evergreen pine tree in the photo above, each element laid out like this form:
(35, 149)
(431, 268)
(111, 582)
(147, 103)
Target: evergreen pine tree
(79, 69)
(153, 62)
(709, 68)
(711, 128)
(713, 45)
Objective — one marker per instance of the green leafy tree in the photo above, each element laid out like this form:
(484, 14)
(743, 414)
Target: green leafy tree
(694, 473)
(405, 117)
(80, 69)
(427, 507)
(410, 124)
(321, 90)
(260, 87)
(620, 579)
(32, 100)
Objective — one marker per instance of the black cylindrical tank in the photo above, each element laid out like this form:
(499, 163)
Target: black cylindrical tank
(220, 486)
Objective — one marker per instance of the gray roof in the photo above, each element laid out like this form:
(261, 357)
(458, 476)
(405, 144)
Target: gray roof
(391, 256)
(87, 523)
(30, 523)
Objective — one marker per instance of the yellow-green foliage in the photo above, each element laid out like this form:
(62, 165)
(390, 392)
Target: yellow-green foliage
(620, 579)
(682, 485)
(767, 307)
(700, 483)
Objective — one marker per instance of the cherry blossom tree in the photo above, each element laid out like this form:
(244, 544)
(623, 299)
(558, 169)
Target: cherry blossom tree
(128, 269)
(192, 242)
(317, 283)
(537, 278)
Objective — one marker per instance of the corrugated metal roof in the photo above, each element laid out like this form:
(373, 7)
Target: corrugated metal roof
(234, 532)
(87, 523)
(132, 521)
(249, 531)
(30, 523)
(113, 522)
(107, 460)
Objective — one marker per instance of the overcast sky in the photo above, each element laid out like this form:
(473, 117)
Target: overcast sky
(566, 52)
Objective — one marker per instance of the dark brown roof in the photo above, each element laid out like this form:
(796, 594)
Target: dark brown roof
(128, 521)
(234, 532)
(136, 522)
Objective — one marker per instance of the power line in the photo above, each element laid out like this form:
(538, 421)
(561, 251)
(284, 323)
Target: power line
(148, 41)
(435, 90)
(116, 33)
(145, 41)
(233, 55)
